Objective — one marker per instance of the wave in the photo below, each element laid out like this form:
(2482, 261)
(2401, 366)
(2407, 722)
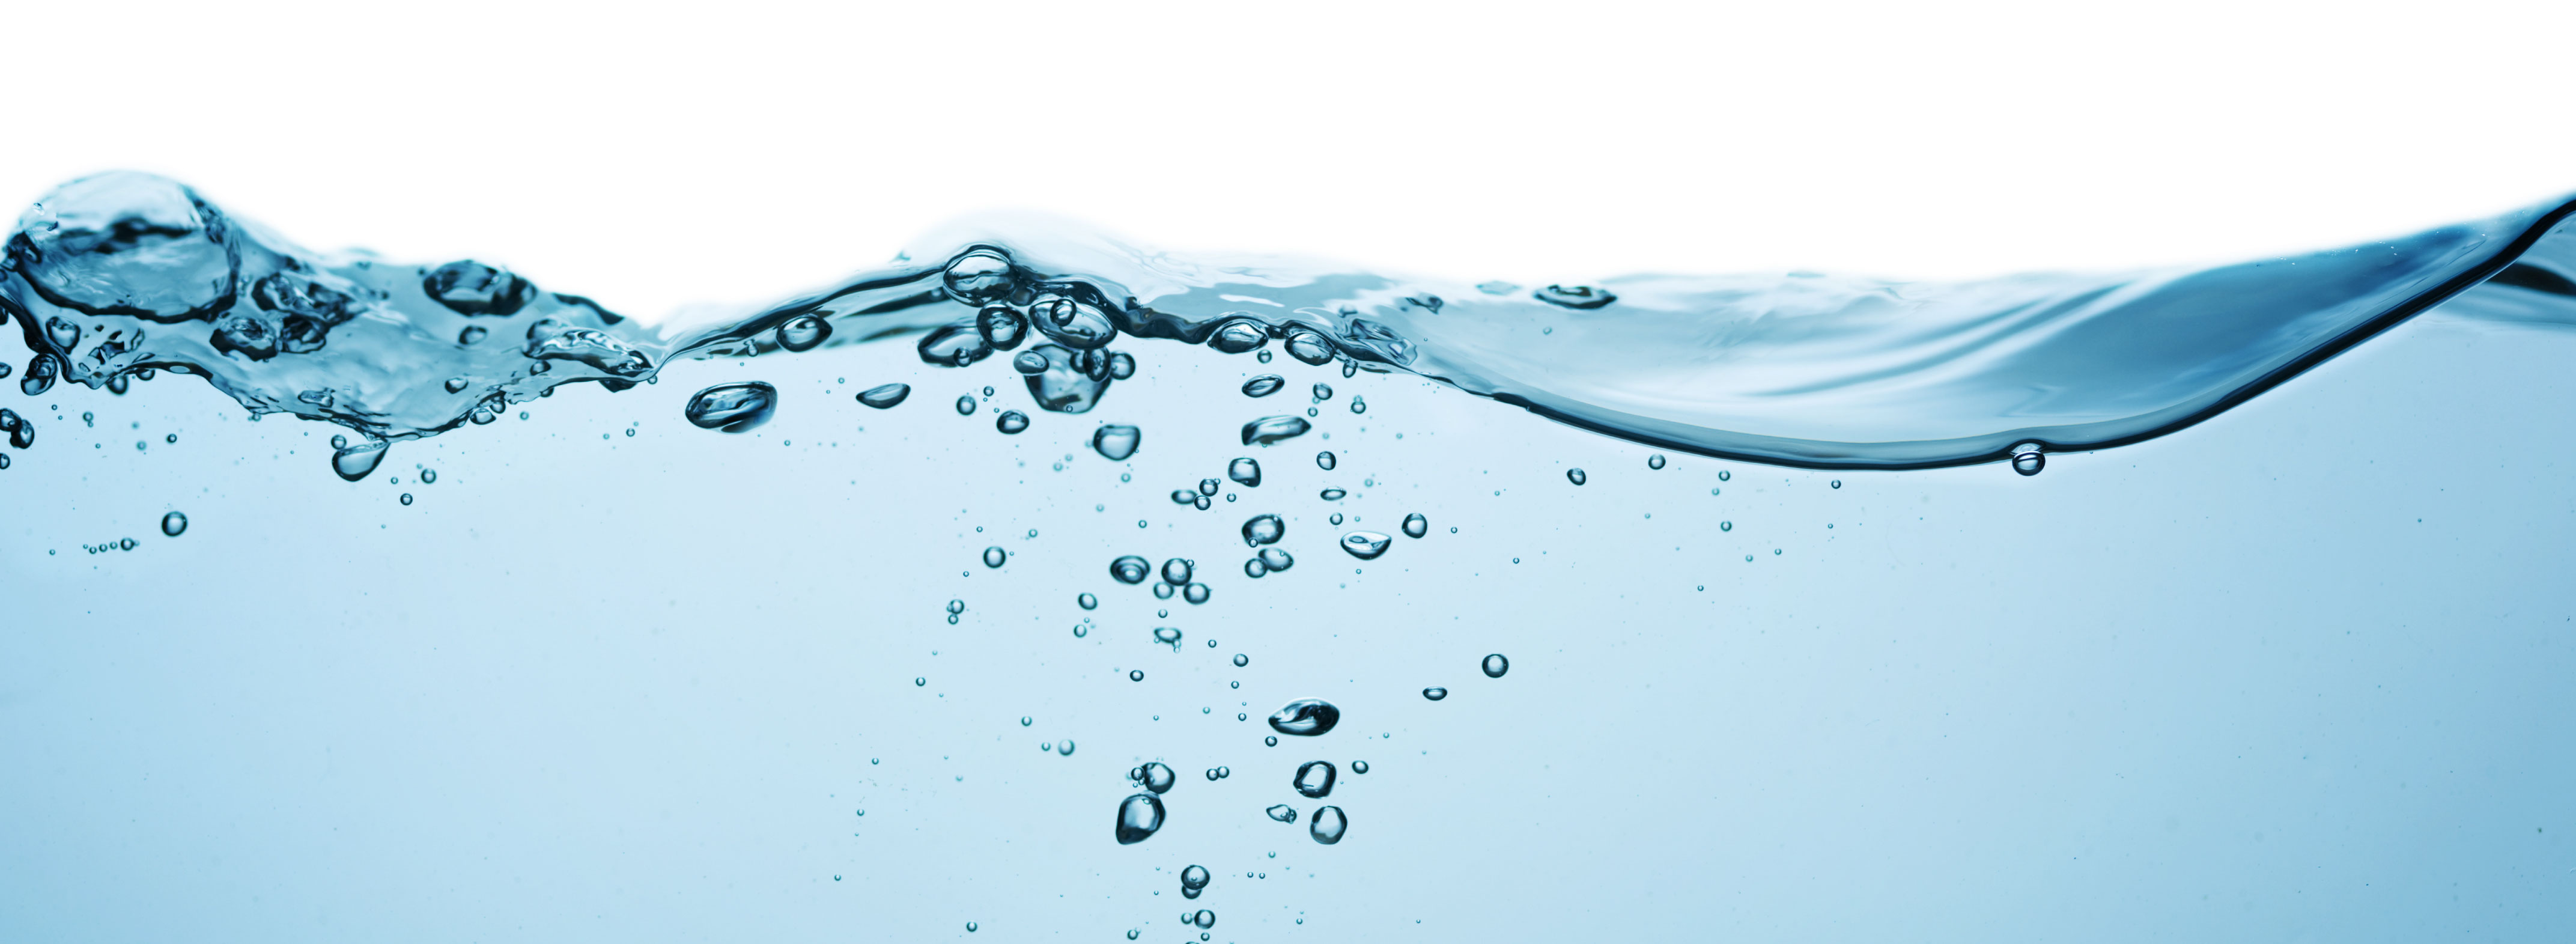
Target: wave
(116, 277)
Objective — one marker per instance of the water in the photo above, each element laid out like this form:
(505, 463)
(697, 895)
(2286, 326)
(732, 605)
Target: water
(2283, 672)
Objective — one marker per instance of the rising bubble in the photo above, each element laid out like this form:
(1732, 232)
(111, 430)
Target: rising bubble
(1575, 476)
(886, 396)
(1002, 326)
(1087, 601)
(1193, 879)
(1115, 442)
(1305, 717)
(1496, 665)
(1276, 559)
(1011, 422)
(1138, 817)
(1154, 776)
(174, 524)
(978, 275)
(994, 556)
(2028, 459)
(1416, 526)
(1244, 472)
(804, 333)
(1264, 529)
(1324, 461)
(1282, 812)
(1238, 336)
(1314, 779)
(1435, 693)
(1263, 385)
(1196, 593)
(1130, 569)
(966, 405)
(1365, 545)
(1328, 825)
(1271, 429)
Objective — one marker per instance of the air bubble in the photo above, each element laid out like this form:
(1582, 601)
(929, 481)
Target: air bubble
(1435, 693)
(1138, 818)
(1271, 429)
(1168, 636)
(966, 405)
(2028, 458)
(1029, 362)
(1130, 569)
(1328, 825)
(994, 556)
(1263, 385)
(1002, 326)
(1723, 475)
(1136, 675)
(406, 498)
(1496, 665)
(1087, 601)
(1416, 526)
(1305, 717)
(1365, 545)
(1241, 660)
(978, 275)
(956, 606)
(1154, 776)
(1184, 496)
(804, 333)
(886, 396)
(1176, 571)
(1282, 812)
(1314, 779)
(1575, 476)
(1323, 392)
(1115, 443)
(1325, 461)
(1331, 494)
(1162, 591)
(174, 524)
(1309, 347)
(1655, 461)
(472, 334)
(1011, 422)
(1264, 529)
(1236, 337)
(1359, 766)
(1359, 405)
(1205, 919)
(1193, 880)
(1196, 593)
(1726, 526)
(1245, 472)
(1276, 559)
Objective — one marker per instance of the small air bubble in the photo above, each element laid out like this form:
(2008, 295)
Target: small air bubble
(1575, 476)
(1087, 601)
(1435, 693)
(1496, 665)
(994, 556)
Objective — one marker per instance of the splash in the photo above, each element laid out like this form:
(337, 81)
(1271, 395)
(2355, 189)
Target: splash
(117, 277)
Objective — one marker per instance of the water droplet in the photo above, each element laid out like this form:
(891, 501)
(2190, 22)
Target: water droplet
(471, 334)
(1314, 779)
(1576, 296)
(956, 606)
(1138, 817)
(1245, 472)
(1359, 405)
(1305, 717)
(1365, 545)
(732, 407)
(1435, 693)
(1416, 526)
(1726, 526)
(1496, 665)
(978, 275)
(1116, 443)
(994, 556)
(886, 396)
(1328, 825)
(1655, 461)
(1011, 422)
(2028, 458)
(1238, 336)
(174, 524)
(1137, 675)
(803, 333)
(1276, 559)
(1087, 601)
(1331, 494)
(1575, 476)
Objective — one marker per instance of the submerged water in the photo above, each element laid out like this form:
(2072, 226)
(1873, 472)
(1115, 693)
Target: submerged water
(788, 648)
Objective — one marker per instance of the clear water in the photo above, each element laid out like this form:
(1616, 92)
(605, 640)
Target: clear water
(1792, 654)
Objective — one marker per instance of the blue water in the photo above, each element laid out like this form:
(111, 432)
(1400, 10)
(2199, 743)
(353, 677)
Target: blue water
(1801, 657)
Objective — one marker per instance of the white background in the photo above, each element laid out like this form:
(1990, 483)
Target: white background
(655, 157)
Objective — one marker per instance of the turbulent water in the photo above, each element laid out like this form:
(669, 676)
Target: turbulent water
(838, 634)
